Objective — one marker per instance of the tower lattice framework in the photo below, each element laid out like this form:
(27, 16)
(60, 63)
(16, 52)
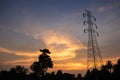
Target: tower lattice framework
(94, 58)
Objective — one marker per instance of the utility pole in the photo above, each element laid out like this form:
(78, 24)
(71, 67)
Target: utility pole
(94, 58)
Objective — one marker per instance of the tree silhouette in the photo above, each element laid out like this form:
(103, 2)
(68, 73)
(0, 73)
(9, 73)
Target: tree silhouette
(3, 75)
(17, 73)
(79, 77)
(40, 67)
(36, 67)
(45, 60)
(104, 73)
(43, 63)
(19, 69)
(109, 66)
(59, 75)
(88, 75)
(116, 71)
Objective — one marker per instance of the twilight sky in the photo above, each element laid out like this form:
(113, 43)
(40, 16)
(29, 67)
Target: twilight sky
(29, 25)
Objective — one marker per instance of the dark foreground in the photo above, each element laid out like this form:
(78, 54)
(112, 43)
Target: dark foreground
(107, 72)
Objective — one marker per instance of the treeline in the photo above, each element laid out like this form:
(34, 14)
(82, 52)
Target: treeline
(107, 72)
(39, 71)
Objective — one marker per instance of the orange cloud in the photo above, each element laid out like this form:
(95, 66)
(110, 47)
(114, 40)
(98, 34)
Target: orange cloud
(4, 50)
(71, 66)
(63, 48)
(63, 52)
(21, 53)
(29, 57)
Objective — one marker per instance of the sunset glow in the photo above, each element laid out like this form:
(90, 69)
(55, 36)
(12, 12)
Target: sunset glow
(30, 25)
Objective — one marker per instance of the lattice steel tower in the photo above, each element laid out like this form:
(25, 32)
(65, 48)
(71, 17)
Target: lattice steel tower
(94, 58)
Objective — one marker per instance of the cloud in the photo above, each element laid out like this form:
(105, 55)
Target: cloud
(16, 41)
(36, 36)
(108, 7)
(25, 33)
(64, 49)
(10, 58)
(4, 57)
(56, 37)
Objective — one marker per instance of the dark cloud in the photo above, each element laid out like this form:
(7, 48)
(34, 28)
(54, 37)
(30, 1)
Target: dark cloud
(111, 51)
(4, 56)
(19, 42)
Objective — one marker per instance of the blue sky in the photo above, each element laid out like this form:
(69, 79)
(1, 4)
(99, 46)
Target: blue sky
(29, 25)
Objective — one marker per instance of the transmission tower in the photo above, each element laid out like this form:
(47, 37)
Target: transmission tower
(94, 58)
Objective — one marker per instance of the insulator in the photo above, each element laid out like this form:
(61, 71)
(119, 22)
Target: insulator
(94, 18)
(97, 34)
(84, 22)
(83, 15)
(96, 26)
(84, 31)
